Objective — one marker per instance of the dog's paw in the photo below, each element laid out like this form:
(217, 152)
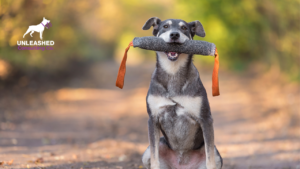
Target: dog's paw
(155, 167)
(211, 166)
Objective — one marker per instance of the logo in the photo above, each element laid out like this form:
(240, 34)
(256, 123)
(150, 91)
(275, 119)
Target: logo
(37, 45)
(39, 28)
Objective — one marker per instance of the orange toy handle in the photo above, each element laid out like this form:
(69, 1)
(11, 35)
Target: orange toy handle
(122, 69)
(215, 78)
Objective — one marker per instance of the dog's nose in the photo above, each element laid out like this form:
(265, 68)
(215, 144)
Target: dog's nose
(174, 35)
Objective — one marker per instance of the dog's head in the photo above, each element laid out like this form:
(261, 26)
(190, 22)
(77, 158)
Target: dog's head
(174, 31)
(46, 20)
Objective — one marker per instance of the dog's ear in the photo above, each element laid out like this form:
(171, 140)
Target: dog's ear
(154, 21)
(197, 28)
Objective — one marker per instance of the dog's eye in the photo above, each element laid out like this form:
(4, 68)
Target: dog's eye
(183, 28)
(166, 26)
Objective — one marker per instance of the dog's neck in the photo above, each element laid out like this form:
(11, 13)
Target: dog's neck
(173, 67)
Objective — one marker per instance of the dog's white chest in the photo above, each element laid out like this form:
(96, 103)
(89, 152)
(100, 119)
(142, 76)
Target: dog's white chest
(181, 104)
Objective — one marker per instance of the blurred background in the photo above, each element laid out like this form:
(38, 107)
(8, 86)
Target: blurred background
(61, 107)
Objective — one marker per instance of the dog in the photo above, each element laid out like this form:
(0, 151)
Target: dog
(38, 28)
(178, 106)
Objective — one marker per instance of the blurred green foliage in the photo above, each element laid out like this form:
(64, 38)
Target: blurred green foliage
(245, 31)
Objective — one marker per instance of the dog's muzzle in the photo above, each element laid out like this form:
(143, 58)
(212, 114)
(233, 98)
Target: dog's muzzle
(172, 55)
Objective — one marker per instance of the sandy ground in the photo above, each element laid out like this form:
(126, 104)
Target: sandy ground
(87, 123)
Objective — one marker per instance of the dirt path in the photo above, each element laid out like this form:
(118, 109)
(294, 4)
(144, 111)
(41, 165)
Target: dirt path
(90, 124)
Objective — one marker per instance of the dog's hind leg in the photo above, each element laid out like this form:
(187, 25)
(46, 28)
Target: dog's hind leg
(218, 159)
(28, 30)
(146, 158)
(147, 155)
(31, 33)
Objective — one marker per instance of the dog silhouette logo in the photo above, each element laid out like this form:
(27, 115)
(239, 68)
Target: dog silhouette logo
(39, 28)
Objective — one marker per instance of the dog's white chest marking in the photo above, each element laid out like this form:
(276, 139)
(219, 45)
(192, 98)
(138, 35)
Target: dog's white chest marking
(186, 105)
(158, 103)
(172, 67)
(190, 105)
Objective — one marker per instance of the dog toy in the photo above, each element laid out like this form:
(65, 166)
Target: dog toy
(188, 47)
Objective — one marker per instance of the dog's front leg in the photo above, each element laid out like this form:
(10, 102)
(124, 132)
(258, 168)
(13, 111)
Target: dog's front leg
(154, 133)
(153, 105)
(206, 123)
(41, 35)
(208, 135)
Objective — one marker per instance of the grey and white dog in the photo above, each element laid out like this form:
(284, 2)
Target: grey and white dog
(177, 105)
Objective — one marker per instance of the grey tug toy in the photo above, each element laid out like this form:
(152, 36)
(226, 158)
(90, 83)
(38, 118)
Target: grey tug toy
(188, 47)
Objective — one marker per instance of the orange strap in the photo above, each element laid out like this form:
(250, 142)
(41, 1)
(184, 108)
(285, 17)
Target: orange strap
(215, 78)
(122, 69)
